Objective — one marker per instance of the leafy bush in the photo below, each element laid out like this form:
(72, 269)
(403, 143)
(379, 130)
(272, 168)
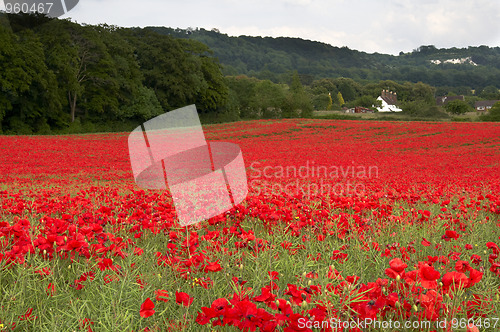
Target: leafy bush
(493, 115)
(458, 107)
(422, 109)
(19, 127)
(43, 128)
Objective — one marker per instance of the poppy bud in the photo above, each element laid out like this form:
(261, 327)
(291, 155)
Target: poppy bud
(304, 275)
(44, 252)
(304, 304)
(398, 278)
(309, 283)
(398, 305)
(415, 308)
(241, 266)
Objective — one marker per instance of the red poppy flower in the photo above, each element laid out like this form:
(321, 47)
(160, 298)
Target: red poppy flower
(455, 280)
(213, 267)
(475, 276)
(493, 246)
(462, 266)
(428, 276)
(397, 268)
(147, 308)
(183, 298)
(425, 242)
(274, 275)
(448, 235)
(476, 259)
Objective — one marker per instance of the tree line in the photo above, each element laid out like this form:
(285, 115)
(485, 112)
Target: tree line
(272, 58)
(57, 76)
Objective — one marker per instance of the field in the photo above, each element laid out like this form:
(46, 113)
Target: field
(346, 222)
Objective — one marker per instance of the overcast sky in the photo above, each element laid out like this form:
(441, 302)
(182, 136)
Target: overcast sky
(384, 26)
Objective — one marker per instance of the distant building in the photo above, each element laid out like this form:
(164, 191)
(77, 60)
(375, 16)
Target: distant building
(441, 101)
(389, 101)
(484, 105)
(359, 109)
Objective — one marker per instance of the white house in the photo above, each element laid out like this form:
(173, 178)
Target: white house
(389, 100)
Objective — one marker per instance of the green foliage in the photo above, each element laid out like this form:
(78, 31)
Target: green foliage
(321, 101)
(330, 102)
(145, 106)
(365, 101)
(493, 114)
(268, 99)
(421, 109)
(348, 89)
(273, 58)
(340, 99)
(54, 72)
(297, 102)
(490, 92)
(458, 107)
(241, 94)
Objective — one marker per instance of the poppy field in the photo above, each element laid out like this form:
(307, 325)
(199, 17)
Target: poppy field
(347, 226)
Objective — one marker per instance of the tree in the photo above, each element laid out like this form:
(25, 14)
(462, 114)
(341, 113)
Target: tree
(493, 114)
(242, 90)
(330, 102)
(365, 101)
(181, 72)
(340, 99)
(144, 106)
(324, 85)
(297, 100)
(131, 95)
(28, 91)
(214, 91)
(490, 92)
(348, 87)
(457, 107)
(422, 110)
(268, 99)
(296, 86)
(87, 74)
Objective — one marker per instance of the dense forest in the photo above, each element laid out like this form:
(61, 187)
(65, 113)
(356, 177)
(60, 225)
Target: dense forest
(57, 76)
(56, 73)
(271, 58)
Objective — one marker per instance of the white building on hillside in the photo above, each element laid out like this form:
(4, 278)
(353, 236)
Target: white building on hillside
(389, 101)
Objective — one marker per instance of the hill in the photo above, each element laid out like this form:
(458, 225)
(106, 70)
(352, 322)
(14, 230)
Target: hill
(272, 58)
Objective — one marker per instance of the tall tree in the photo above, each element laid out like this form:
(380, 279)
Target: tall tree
(340, 98)
(28, 94)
